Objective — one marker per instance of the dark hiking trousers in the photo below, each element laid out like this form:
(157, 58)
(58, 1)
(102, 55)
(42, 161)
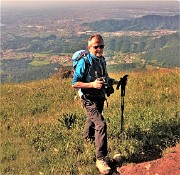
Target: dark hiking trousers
(96, 126)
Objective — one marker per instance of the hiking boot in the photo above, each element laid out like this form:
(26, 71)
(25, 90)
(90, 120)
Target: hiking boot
(103, 166)
(117, 159)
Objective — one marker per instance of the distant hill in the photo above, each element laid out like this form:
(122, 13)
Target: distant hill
(19, 70)
(149, 22)
(160, 51)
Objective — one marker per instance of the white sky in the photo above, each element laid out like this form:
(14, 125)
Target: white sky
(82, 0)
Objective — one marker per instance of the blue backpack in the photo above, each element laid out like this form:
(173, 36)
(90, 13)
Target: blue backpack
(76, 57)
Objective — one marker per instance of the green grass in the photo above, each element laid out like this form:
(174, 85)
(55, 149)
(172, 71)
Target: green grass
(40, 54)
(39, 62)
(42, 126)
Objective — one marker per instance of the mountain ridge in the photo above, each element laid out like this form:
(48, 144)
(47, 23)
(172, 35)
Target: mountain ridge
(147, 22)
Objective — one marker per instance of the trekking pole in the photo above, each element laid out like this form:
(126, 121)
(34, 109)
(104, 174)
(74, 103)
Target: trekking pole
(122, 83)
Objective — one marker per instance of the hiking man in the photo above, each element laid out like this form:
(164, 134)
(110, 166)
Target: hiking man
(93, 96)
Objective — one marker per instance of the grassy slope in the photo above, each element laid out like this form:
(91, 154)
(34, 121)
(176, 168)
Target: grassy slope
(42, 125)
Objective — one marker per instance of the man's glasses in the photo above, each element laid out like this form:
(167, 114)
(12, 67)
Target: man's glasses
(100, 46)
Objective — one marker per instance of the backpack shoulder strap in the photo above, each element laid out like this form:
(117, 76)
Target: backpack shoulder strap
(83, 54)
(104, 65)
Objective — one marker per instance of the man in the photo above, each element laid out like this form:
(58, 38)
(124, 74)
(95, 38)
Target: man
(93, 97)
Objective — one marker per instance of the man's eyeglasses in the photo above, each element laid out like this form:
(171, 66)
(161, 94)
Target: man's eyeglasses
(100, 46)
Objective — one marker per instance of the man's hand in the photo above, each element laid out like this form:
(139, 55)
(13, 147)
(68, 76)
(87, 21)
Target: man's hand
(98, 83)
(115, 82)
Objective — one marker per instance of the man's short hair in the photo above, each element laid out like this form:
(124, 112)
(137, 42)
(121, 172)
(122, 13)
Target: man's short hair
(99, 37)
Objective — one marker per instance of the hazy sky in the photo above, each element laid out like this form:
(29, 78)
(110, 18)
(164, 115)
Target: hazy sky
(13, 3)
(83, 0)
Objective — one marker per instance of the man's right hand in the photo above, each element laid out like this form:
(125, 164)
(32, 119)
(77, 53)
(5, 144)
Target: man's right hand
(97, 84)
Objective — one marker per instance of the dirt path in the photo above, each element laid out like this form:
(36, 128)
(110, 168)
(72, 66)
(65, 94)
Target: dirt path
(169, 164)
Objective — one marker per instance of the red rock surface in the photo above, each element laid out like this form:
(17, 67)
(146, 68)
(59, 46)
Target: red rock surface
(169, 164)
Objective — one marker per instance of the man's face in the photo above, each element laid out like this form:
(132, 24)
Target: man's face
(96, 47)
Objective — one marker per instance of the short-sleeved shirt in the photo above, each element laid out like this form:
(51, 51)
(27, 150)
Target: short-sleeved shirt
(96, 70)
